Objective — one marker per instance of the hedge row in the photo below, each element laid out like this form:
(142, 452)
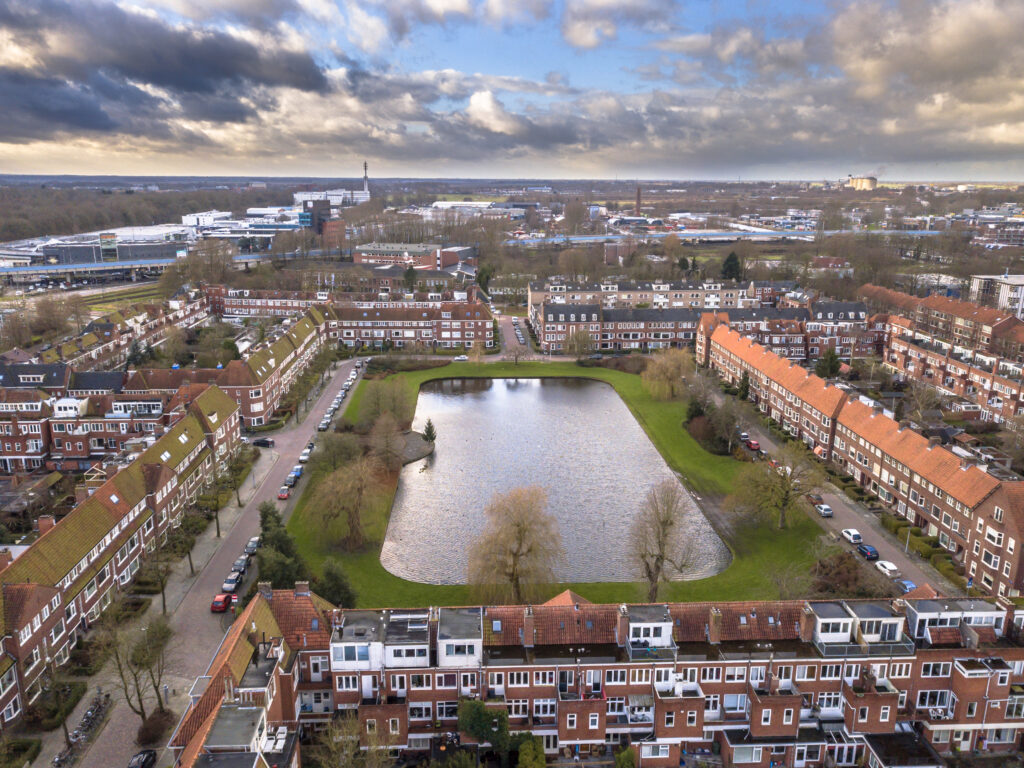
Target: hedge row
(49, 715)
(20, 752)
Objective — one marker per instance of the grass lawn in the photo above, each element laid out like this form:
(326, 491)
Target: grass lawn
(748, 577)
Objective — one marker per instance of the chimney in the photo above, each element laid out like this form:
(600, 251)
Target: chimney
(876, 410)
(301, 588)
(807, 624)
(229, 688)
(622, 625)
(715, 626)
(6, 558)
(904, 424)
(934, 441)
(265, 591)
(966, 462)
(45, 523)
(528, 627)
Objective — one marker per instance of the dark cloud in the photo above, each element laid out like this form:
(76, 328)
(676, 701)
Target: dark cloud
(40, 107)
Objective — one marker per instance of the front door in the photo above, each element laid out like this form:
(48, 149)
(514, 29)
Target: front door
(565, 677)
(496, 682)
(369, 686)
(800, 757)
(316, 669)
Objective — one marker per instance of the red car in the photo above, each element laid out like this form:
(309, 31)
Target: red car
(221, 604)
(284, 493)
(753, 445)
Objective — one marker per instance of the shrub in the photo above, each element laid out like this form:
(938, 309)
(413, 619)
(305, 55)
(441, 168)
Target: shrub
(134, 606)
(50, 710)
(194, 524)
(19, 752)
(154, 727)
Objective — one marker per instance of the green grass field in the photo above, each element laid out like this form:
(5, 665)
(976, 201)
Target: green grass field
(108, 301)
(748, 577)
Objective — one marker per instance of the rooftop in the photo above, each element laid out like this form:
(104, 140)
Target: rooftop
(235, 726)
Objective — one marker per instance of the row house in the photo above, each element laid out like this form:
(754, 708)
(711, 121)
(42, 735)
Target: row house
(885, 683)
(613, 329)
(24, 428)
(55, 589)
(710, 294)
(976, 514)
(994, 385)
(246, 302)
(382, 326)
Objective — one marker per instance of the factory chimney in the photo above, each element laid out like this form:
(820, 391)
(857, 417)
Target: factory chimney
(366, 177)
(637, 212)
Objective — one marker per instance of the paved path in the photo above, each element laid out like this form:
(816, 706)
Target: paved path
(199, 632)
(848, 513)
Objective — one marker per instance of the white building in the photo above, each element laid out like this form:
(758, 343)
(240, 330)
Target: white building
(1000, 291)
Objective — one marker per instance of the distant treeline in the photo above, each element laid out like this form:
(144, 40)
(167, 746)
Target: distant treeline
(36, 211)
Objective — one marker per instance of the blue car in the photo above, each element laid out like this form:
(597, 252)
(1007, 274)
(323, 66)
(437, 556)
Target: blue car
(297, 470)
(905, 585)
(867, 552)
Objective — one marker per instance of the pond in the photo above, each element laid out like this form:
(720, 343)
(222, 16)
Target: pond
(574, 437)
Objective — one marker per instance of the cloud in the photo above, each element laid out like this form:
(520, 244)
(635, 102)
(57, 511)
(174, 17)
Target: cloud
(485, 111)
(589, 23)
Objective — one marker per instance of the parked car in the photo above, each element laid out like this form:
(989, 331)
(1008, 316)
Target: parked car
(815, 498)
(252, 545)
(753, 445)
(867, 552)
(460, 358)
(284, 492)
(304, 456)
(144, 759)
(290, 481)
(888, 568)
(322, 426)
(744, 436)
(852, 535)
(241, 564)
(297, 470)
(264, 442)
(311, 445)
(231, 582)
(220, 604)
(905, 585)
(824, 510)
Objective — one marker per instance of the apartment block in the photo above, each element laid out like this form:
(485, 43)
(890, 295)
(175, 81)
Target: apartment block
(709, 294)
(977, 515)
(886, 683)
(1004, 292)
(54, 590)
(385, 325)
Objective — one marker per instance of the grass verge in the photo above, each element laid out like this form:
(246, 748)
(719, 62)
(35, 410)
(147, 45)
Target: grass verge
(747, 578)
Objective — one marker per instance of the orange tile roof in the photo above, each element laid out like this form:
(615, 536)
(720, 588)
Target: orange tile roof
(511, 618)
(295, 615)
(568, 597)
(777, 620)
(965, 310)
(564, 625)
(935, 464)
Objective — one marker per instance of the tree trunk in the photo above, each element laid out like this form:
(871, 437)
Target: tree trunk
(191, 568)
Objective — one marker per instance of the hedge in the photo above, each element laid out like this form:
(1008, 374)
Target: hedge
(19, 752)
(269, 426)
(49, 716)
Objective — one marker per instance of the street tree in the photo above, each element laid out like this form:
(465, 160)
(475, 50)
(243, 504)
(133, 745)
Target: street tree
(149, 654)
(159, 566)
(113, 639)
(515, 556)
(728, 419)
(656, 544)
(774, 493)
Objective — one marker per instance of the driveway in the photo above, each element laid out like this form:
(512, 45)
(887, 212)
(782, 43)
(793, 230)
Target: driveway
(199, 632)
(846, 513)
(509, 343)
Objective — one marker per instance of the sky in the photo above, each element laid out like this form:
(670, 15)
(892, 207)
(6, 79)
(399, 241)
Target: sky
(652, 89)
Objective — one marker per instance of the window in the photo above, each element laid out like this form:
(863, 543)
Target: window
(747, 755)
(611, 677)
(640, 676)
(883, 714)
(936, 669)
(548, 678)
(972, 708)
(458, 649)
(517, 707)
(766, 717)
(899, 669)
(691, 718)
(595, 721)
(447, 680)
(787, 717)
(806, 672)
(654, 750)
(710, 674)
(393, 726)
(518, 679)
(419, 681)
(735, 674)
(862, 715)
(570, 721)
(829, 700)
(420, 710)
(543, 707)
(447, 710)
(348, 683)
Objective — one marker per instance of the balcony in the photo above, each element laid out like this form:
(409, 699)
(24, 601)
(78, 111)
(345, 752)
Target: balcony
(641, 652)
(903, 647)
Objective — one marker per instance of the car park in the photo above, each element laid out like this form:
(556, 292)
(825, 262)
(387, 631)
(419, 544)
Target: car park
(888, 568)
(867, 551)
(231, 582)
(824, 510)
(241, 564)
(852, 535)
(264, 442)
(252, 545)
(460, 358)
(905, 585)
(283, 493)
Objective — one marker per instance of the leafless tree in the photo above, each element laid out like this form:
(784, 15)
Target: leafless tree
(387, 441)
(344, 493)
(920, 399)
(335, 449)
(668, 372)
(655, 541)
(579, 343)
(728, 420)
(774, 493)
(516, 555)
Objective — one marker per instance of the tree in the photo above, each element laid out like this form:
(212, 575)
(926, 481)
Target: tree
(335, 449)
(486, 725)
(743, 390)
(409, 277)
(279, 569)
(683, 264)
(181, 544)
(113, 639)
(728, 420)
(174, 347)
(625, 758)
(429, 433)
(667, 373)
(159, 566)
(339, 745)
(774, 493)
(732, 269)
(387, 441)
(335, 587)
(531, 752)
(150, 654)
(77, 309)
(515, 556)
(484, 273)
(828, 364)
(655, 543)
(344, 493)
(579, 343)
(919, 400)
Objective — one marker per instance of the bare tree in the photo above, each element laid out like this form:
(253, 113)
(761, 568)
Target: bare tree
(344, 493)
(387, 441)
(149, 654)
(579, 343)
(113, 638)
(515, 556)
(728, 420)
(341, 744)
(774, 493)
(920, 399)
(655, 543)
(335, 449)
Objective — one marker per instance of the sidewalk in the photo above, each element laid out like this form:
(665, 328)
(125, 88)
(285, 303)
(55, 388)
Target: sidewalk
(121, 718)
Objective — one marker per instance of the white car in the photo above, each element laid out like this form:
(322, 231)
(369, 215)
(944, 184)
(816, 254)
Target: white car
(824, 510)
(889, 569)
(852, 535)
(304, 456)
(460, 358)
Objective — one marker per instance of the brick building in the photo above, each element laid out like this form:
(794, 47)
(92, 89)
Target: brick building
(797, 683)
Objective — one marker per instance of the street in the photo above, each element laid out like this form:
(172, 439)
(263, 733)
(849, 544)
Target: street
(198, 631)
(847, 513)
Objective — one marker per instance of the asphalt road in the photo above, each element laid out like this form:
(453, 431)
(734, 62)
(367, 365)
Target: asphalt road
(509, 343)
(847, 513)
(198, 631)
